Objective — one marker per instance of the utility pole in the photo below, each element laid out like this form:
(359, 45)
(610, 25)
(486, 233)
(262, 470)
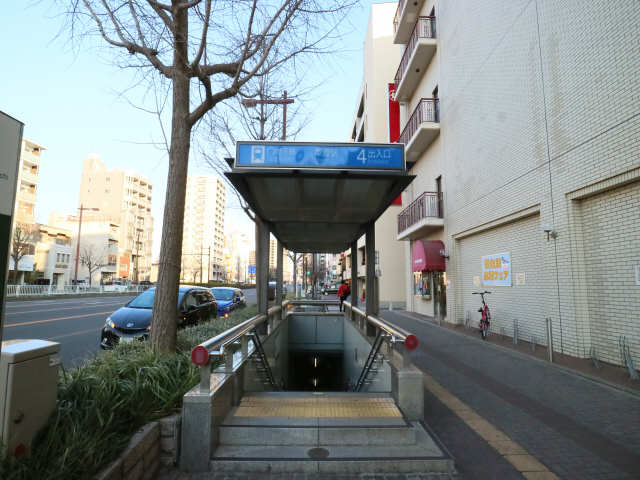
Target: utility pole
(201, 264)
(82, 209)
(209, 266)
(284, 101)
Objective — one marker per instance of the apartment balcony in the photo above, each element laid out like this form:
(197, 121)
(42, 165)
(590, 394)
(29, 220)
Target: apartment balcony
(422, 216)
(30, 158)
(26, 196)
(417, 55)
(422, 128)
(405, 18)
(27, 176)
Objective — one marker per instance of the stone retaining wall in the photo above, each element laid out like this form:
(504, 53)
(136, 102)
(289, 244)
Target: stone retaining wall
(152, 447)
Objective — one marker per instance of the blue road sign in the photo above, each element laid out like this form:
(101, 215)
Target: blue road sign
(320, 155)
(252, 269)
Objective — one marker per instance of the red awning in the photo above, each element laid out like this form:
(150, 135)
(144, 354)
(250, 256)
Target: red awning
(426, 256)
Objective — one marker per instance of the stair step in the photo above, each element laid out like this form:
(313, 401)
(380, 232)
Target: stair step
(312, 435)
(424, 455)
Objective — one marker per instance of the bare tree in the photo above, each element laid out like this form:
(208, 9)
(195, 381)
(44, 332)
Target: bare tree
(206, 52)
(22, 244)
(233, 121)
(93, 260)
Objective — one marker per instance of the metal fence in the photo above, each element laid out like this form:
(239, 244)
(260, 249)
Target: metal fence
(46, 290)
(427, 110)
(428, 204)
(425, 28)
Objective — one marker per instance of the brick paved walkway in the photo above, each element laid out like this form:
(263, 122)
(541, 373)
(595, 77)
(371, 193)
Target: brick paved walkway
(576, 427)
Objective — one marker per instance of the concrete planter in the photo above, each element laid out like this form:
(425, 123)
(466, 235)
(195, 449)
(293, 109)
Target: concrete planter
(151, 448)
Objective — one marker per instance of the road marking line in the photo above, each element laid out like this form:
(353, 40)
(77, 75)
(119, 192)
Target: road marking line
(34, 322)
(511, 451)
(49, 309)
(74, 334)
(15, 308)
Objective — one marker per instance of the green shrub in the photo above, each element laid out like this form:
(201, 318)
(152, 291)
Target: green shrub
(105, 400)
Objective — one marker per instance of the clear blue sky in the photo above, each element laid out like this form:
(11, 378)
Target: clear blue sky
(70, 102)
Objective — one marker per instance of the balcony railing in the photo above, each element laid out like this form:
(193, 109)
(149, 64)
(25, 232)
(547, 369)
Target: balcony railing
(427, 205)
(425, 28)
(427, 110)
(396, 19)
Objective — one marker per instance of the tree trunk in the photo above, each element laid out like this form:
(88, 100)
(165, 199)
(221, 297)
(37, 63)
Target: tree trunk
(165, 305)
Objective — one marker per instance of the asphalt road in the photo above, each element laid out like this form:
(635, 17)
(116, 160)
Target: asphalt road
(73, 322)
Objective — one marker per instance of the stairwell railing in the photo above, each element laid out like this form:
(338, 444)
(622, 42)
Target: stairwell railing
(396, 338)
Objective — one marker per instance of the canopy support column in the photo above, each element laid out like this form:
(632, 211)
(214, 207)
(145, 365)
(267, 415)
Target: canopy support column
(279, 273)
(262, 266)
(354, 273)
(370, 289)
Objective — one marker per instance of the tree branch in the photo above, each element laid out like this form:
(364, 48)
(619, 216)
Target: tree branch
(132, 47)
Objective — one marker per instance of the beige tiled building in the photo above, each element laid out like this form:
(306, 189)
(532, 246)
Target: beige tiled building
(124, 198)
(370, 125)
(287, 264)
(237, 253)
(99, 243)
(54, 254)
(203, 234)
(522, 123)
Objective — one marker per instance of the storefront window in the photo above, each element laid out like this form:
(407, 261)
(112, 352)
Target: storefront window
(422, 283)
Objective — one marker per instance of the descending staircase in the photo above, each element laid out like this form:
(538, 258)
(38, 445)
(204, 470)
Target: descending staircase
(299, 432)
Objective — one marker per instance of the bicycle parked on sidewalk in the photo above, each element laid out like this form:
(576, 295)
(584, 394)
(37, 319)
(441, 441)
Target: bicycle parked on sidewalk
(485, 320)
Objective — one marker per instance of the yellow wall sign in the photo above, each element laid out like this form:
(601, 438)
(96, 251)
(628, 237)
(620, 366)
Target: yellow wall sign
(496, 270)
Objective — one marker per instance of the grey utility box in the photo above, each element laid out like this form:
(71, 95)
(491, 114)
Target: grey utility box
(28, 390)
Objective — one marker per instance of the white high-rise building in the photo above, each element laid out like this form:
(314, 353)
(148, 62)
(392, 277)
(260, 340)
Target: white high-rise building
(203, 235)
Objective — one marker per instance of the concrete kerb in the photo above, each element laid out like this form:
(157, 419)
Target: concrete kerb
(586, 376)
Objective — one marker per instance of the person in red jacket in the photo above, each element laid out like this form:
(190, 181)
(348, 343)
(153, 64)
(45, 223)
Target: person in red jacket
(343, 292)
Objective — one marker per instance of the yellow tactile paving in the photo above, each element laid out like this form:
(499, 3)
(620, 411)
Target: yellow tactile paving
(517, 456)
(322, 407)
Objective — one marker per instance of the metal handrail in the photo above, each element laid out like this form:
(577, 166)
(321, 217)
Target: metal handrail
(424, 28)
(426, 205)
(215, 345)
(312, 302)
(396, 333)
(396, 18)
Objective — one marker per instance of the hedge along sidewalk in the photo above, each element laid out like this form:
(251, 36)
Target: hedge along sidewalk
(104, 401)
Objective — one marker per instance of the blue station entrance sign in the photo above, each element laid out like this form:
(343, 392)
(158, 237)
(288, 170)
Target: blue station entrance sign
(368, 156)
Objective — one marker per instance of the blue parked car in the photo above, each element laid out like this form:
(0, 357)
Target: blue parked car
(228, 299)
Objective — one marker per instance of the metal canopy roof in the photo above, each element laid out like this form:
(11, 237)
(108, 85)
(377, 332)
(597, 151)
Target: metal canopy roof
(318, 210)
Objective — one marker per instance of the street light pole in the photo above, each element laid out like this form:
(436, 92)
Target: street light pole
(75, 276)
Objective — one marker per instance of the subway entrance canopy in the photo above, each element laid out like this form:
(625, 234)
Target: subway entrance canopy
(319, 197)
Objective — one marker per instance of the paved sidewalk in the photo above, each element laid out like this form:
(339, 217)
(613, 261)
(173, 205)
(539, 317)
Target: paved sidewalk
(577, 428)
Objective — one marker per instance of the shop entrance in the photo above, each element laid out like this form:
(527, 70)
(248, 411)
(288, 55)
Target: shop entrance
(439, 295)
